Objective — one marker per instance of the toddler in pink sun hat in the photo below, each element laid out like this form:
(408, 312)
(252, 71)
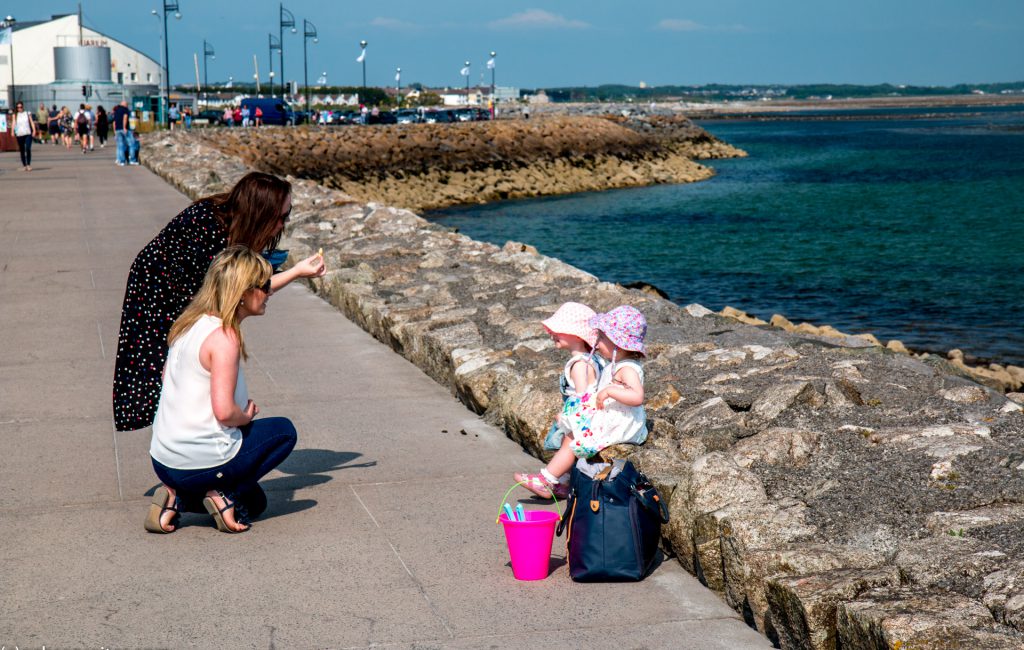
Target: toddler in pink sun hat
(570, 329)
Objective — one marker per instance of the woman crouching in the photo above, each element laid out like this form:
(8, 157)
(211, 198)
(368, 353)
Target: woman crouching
(207, 447)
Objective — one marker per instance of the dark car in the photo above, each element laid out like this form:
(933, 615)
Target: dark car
(465, 114)
(343, 117)
(212, 117)
(408, 116)
(275, 111)
(432, 117)
(383, 117)
(481, 114)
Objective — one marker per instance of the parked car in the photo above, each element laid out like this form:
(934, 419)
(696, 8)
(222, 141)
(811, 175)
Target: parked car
(432, 117)
(482, 114)
(275, 111)
(212, 117)
(343, 117)
(465, 114)
(408, 116)
(383, 117)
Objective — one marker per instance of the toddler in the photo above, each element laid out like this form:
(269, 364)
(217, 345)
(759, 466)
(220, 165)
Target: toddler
(615, 414)
(570, 329)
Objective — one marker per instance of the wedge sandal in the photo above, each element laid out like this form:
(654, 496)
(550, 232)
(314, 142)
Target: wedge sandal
(218, 513)
(158, 507)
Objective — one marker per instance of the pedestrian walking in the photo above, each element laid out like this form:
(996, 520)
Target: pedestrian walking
(102, 126)
(25, 130)
(121, 117)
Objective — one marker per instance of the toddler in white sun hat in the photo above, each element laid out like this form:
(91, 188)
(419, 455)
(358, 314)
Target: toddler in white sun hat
(570, 329)
(607, 413)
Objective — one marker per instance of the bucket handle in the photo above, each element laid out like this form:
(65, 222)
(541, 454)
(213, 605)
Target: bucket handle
(498, 518)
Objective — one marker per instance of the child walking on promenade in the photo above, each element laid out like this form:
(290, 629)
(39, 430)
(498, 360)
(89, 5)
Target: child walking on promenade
(615, 414)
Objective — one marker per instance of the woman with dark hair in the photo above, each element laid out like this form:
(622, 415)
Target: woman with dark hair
(168, 272)
(102, 126)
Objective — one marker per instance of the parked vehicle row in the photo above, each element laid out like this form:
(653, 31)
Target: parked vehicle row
(275, 111)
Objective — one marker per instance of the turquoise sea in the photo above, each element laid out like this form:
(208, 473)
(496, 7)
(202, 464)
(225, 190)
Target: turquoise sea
(909, 228)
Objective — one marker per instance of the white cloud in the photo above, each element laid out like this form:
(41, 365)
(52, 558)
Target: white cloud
(537, 19)
(680, 25)
(393, 23)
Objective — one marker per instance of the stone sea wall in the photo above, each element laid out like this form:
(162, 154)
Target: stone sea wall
(836, 493)
(427, 166)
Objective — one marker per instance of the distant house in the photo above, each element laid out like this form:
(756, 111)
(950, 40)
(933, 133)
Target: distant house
(475, 97)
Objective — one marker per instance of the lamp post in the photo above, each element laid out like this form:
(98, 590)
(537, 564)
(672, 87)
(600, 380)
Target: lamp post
(271, 47)
(8, 23)
(467, 82)
(169, 5)
(398, 86)
(362, 59)
(308, 32)
(491, 65)
(207, 54)
(287, 20)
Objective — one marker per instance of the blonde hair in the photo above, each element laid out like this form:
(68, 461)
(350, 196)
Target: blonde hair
(233, 272)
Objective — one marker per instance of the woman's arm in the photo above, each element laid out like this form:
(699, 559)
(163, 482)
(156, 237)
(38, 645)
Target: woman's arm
(625, 388)
(311, 267)
(219, 355)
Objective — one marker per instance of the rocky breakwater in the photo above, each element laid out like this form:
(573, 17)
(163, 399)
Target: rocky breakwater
(835, 496)
(425, 166)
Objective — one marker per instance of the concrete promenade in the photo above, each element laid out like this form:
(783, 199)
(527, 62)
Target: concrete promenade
(380, 531)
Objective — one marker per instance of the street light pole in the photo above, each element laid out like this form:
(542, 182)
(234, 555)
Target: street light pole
(9, 24)
(398, 86)
(287, 20)
(169, 5)
(207, 53)
(270, 55)
(491, 64)
(308, 32)
(362, 58)
(467, 83)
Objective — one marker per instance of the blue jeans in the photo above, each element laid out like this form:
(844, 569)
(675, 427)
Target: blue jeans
(123, 138)
(133, 148)
(265, 445)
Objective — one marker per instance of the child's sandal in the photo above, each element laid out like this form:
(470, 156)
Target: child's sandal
(535, 483)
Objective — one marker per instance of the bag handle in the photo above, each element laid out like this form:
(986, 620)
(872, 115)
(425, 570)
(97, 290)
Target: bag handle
(661, 511)
(509, 491)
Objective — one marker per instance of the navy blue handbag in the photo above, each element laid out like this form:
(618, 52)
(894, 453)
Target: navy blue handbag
(614, 522)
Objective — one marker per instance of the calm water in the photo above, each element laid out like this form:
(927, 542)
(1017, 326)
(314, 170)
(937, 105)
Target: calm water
(910, 229)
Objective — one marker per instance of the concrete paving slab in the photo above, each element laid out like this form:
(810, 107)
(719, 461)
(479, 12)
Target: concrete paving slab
(380, 530)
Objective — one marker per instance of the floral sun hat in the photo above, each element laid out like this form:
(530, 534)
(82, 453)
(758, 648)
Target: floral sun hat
(573, 318)
(625, 326)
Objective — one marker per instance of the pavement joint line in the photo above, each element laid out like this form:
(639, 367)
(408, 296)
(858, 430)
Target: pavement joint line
(99, 332)
(419, 585)
(117, 463)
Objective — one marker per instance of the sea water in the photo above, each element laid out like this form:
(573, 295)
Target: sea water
(910, 229)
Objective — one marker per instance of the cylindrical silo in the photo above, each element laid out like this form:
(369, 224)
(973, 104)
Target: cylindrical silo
(86, 63)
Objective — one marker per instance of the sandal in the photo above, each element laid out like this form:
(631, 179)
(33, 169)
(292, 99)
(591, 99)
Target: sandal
(158, 507)
(218, 513)
(535, 483)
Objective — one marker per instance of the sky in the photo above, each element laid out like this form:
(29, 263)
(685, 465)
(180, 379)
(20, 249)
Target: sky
(583, 42)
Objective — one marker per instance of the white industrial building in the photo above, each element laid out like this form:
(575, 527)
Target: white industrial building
(60, 61)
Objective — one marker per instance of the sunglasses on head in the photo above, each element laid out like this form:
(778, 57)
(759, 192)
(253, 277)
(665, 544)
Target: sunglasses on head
(265, 287)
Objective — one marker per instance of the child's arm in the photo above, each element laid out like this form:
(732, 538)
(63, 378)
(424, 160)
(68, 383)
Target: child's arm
(582, 375)
(625, 388)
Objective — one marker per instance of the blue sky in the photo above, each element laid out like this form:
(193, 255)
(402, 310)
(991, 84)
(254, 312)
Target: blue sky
(587, 42)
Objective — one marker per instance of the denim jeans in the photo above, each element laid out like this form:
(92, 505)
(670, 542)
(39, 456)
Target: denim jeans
(123, 138)
(133, 149)
(265, 445)
(25, 149)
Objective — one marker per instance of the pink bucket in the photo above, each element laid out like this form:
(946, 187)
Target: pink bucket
(529, 543)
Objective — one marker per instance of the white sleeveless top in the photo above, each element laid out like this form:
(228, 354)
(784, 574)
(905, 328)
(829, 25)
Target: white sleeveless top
(186, 435)
(617, 423)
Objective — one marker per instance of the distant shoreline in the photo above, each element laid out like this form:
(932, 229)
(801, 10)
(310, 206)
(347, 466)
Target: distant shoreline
(795, 109)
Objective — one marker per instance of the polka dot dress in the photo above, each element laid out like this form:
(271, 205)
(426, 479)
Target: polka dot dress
(163, 278)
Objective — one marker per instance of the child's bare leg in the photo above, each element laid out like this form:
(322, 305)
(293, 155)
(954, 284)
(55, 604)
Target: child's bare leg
(562, 461)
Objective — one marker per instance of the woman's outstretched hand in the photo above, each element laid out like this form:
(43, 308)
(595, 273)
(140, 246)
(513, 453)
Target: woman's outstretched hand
(311, 267)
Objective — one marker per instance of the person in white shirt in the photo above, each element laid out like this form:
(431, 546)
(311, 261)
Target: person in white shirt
(25, 130)
(207, 444)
